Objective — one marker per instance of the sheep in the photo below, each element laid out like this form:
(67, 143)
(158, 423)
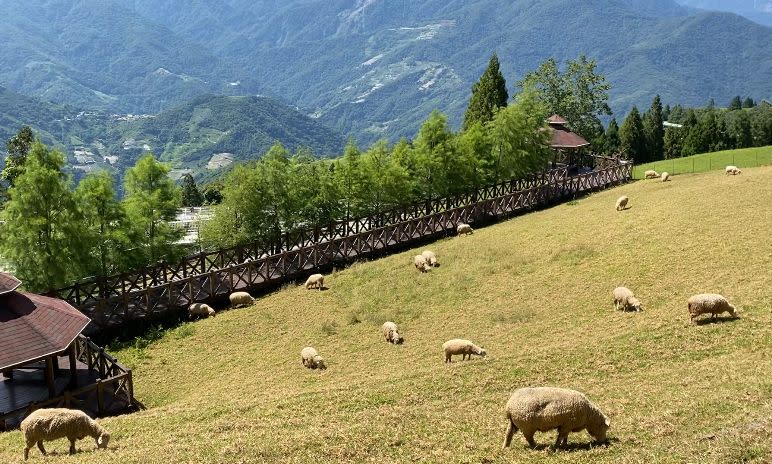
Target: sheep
(733, 170)
(463, 347)
(665, 176)
(650, 174)
(622, 203)
(311, 359)
(201, 310)
(464, 229)
(54, 423)
(241, 299)
(391, 332)
(709, 303)
(315, 280)
(430, 258)
(624, 299)
(420, 263)
(545, 408)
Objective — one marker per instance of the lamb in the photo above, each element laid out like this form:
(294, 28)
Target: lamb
(54, 423)
(733, 170)
(650, 174)
(464, 229)
(241, 299)
(391, 332)
(311, 359)
(545, 408)
(622, 203)
(201, 310)
(665, 176)
(315, 280)
(625, 300)
(709, 303)
(430, 258)
(463, 347)
(420, 263)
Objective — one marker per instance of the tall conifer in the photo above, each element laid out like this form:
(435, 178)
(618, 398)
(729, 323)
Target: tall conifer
(488, 94)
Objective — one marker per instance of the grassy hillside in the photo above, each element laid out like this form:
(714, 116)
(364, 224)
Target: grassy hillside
(536, 292)
(745, 158)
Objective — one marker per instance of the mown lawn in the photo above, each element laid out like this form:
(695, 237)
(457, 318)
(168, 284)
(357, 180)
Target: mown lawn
(535, 291)
(744, 158)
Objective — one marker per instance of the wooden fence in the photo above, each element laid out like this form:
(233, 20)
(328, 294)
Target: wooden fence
(112, 392)
(155, 291)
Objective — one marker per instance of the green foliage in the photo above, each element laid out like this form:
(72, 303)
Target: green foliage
(191, 196)
(748, 103)
(654, 131)
(488, 95)
(17, 148)
(735, 104)
(673, 142)
(632, 140)
(611, 138)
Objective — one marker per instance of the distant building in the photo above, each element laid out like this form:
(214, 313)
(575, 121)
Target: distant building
(672, 124)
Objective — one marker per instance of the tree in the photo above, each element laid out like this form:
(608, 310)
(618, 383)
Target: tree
(213, 193)
(654, 131)
(439, 162)
(191, 196)
(488, 94)
(735, 104)
(748, 103)
(673, 142)
(579, 94)
(742, 131)
(39, 233)
(17, 147)
(151, 201)
(632, 140)
(611, 139)
(351, 179)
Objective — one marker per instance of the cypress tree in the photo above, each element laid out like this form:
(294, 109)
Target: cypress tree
(748, 103)
(612, 137)
(654, 131)
(488, 94)
(191, 196)
(632, 141)
(735, 104)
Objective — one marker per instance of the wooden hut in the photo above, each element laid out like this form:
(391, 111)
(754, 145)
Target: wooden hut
(566, 144)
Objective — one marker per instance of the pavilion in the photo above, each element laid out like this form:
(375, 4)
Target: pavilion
(566, 144)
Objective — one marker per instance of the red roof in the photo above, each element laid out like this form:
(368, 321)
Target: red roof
(33, 327)
(8, 283)
(562, 137)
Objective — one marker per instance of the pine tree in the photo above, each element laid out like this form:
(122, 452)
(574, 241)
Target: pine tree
(673, 142)
(191, 196)
(488, 95)
(611, 138)
(17, 147)
(749, 103)
(735, 104)
(742, 131)
(632, 140)
(654, 131)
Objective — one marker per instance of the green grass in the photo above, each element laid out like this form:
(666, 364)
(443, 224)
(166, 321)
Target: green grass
(535, 291)
(744, 158)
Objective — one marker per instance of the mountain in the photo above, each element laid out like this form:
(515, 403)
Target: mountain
(755, 10)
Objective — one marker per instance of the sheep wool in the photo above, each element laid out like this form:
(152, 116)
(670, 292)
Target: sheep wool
(464, 229)
(463, 347)
(733, 170)
(650, 174)
(54, 423)
(665, 176)
(430, 258)
(200, 310)
(240, 299)
(546, 408)
(391, 333)
(315, 281)
(311, 359)
(709, 303)
(622, 203)
(625, 300)
(420, 263)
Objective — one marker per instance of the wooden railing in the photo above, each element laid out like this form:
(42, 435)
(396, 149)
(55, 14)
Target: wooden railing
(113, 301)
(112, 392)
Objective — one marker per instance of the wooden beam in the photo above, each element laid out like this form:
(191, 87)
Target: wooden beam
(50, 377)
(73, 366)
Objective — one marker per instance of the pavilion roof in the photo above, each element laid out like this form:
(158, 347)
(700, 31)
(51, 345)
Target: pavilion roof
(8, 283)
(562, 137)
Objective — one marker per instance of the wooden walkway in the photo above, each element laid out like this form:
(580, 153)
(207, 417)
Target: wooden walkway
(154, 292)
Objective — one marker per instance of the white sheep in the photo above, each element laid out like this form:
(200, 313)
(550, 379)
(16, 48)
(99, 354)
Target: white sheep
(651, 174)
(464, 229)
(546, 408)
(315, 280)
(311, 359)
(54, 423)
(240, 299)
(463, 347)
(625, 300)
(200, 310)
(391, 333)
(665, 176)
(420, 263)
(733, 170)
(622, 203)
(430, 258)
(709, 303)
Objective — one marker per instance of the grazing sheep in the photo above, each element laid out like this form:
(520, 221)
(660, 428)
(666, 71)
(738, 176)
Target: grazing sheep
(420, 263)
(315, 280)
(391, 332)
(546, 408)
(651, 174)
(625, 300)
(464, 229)
(709, 303)
(52, 424)
(463, 347)
(201, 310)
(665, 176)
(311, 359)
(430, 258)
(241, 299)
(622, 203)
(733, 170)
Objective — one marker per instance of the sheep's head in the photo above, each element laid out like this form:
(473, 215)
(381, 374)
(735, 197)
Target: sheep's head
(210, 312)
(599, 426)
(635, 303)
(103, 440)
(319, 362)
(396, 337)
(482, 352)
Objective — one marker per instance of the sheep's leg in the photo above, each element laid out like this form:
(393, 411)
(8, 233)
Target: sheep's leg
(40, 446)
(511, 429)
(529, 438)
(72, 446)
